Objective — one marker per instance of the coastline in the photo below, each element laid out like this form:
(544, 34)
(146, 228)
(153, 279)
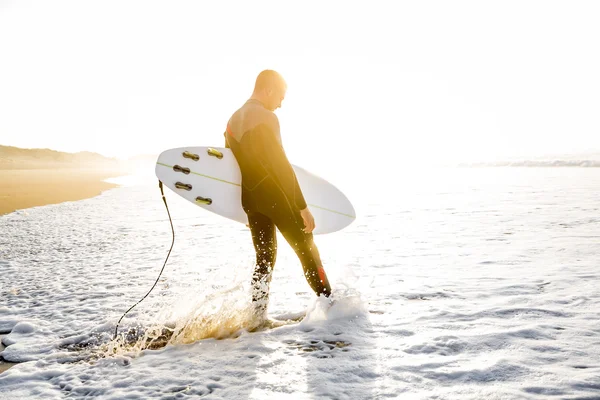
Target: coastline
(26, 188)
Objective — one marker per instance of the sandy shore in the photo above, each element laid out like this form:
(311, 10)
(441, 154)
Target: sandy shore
(24, 188)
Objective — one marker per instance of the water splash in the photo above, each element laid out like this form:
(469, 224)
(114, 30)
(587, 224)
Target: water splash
(222, 314)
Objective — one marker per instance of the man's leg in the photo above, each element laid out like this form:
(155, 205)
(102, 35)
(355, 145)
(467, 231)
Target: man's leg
(308, 254)
(265, 245)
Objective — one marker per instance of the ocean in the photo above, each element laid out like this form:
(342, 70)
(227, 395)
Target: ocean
(452, 283)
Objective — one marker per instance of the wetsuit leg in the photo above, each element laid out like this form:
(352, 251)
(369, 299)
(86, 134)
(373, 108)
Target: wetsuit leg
(265, 245)
(307, 252)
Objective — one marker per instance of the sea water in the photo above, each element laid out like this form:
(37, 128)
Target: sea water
(455, 283)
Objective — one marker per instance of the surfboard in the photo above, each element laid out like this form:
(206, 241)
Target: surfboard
(210, 177)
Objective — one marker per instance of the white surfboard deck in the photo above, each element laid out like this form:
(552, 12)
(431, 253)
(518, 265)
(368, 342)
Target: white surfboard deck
(218, 182)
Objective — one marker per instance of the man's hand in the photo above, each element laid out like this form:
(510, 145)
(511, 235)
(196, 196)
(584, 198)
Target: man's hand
(309, 221)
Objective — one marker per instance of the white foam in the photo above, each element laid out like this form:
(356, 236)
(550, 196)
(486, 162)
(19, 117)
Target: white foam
(23, 327)
(480, 285)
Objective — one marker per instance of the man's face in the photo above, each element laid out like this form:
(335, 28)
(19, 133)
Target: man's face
(275, 97)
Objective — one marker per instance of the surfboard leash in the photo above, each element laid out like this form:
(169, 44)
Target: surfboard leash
(160, 185)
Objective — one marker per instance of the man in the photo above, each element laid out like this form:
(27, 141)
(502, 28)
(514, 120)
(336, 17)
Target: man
(271, 196)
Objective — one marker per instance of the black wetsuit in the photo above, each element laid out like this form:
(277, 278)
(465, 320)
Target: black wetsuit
(271, 197)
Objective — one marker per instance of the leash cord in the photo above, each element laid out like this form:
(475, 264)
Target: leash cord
(160, 185)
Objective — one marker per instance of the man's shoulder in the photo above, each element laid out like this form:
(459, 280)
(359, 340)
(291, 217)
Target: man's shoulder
(267, 115)
(263, 116)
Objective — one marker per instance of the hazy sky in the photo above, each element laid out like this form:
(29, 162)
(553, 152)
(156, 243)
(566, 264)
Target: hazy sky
(412, 80)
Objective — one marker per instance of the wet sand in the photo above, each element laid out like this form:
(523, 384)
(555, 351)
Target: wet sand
(24, 188)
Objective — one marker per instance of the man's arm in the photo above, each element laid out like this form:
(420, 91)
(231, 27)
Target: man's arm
(272, 156)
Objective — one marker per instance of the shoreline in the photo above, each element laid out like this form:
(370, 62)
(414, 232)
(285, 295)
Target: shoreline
(25, 188)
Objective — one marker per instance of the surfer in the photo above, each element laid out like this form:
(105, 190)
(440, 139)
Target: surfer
(271, 196)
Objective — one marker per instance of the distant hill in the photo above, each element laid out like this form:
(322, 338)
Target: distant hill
(584, 160)
(536, 163)
(19, 158)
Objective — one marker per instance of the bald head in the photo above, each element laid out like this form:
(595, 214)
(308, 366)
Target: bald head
(270, 89)
(269, 79)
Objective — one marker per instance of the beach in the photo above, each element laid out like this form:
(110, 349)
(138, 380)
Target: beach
(25, 188)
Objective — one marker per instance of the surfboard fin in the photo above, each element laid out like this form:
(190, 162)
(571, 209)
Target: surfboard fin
(178, 168)
(187, 154)
(214, 153)
(203, 200)
(185, 186)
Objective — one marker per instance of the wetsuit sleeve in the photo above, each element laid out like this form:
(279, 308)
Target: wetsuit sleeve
(274, 159)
